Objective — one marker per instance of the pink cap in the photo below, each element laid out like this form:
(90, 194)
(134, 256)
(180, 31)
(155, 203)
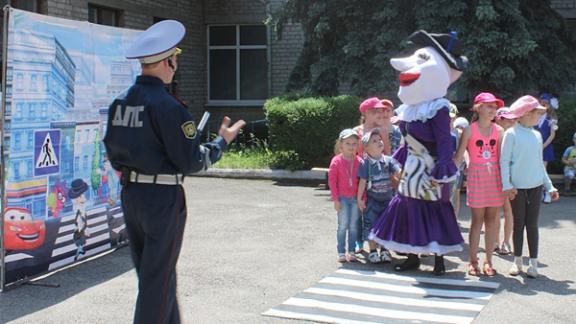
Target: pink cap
(523, 105)
(487, 97)
(370, 103)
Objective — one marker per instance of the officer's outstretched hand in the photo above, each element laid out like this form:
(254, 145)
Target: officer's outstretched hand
(229, 132)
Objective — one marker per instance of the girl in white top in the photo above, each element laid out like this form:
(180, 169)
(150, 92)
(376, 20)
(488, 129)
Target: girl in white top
(523, 175)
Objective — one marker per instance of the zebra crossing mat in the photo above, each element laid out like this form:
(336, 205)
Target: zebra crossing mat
(355, 296)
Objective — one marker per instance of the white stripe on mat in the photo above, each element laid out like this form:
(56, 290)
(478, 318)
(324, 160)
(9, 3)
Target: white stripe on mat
(411, 290)
(381, 312)
(395, 300)
(311, 317)
(454, 282)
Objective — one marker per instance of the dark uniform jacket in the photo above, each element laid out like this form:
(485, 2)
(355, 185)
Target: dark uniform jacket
(152, 132)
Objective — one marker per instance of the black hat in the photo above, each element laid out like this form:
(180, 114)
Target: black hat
(77, 187)
(446, 44)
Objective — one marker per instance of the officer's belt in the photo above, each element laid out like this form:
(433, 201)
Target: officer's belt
(162, 179)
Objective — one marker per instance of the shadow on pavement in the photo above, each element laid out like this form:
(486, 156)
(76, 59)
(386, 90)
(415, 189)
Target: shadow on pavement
(18, 301)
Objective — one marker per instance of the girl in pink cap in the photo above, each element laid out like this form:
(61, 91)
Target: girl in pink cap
(523, 175)
(484, 190)
(373, 116)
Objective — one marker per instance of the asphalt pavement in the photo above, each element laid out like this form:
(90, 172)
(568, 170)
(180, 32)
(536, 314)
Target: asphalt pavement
(251, 244)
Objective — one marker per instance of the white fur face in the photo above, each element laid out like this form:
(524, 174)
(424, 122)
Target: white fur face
(424, 76)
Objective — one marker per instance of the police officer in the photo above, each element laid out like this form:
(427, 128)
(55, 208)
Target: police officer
(152, 139)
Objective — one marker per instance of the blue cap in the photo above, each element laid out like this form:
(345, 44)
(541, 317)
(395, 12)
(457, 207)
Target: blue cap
(157, 42)
(545, 96)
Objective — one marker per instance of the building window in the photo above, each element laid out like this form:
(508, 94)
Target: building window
(34, 83)
(105, 15)
(32, 111)
(76, 163)
(19, 111)
(17, 141)
(44, 110)
(19, 81)
(237, 64)
(30, 142)
(85, 163)
(29, 168)
(38, 6)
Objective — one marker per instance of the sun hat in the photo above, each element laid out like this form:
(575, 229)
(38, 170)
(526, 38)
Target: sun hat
(461, 122)
(487, 97)
(523, 105)
(371, 103)
(368, 135)
(546, 96)
(453, 110)
(348, 132)
(501, 112)
(387, 103)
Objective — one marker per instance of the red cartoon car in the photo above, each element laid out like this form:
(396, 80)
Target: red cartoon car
(21, 232)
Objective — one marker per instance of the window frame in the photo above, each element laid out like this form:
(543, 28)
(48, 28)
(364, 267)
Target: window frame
(238, 48)
(118, 15)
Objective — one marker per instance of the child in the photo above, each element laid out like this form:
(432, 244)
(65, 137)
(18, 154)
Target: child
(484, 190)
(343, 180)
(373, 116)
(547, 126)
(504, 248)
(457, 124)
(523, 175)
(569, 160)
(377, 174)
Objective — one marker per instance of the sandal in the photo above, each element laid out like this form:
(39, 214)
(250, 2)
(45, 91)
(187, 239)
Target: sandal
(488, 270)
(505, 249)
(473, 269)
(350, 257)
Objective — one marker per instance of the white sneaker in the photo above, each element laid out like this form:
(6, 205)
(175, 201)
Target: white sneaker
(516, 267)
(385, 256)
(532, 271)
(547, 199)
(374, 257)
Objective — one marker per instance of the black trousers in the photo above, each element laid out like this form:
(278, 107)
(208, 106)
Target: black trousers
(525, 210)
(155, 216)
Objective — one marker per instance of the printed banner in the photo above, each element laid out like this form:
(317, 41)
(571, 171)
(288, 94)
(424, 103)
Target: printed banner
(62, 197)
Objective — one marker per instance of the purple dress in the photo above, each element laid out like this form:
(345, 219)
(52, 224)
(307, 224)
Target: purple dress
(411, 225)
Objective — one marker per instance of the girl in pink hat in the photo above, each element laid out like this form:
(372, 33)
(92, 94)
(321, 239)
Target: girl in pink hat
(484, 190)
(373, 111)
(523, 175)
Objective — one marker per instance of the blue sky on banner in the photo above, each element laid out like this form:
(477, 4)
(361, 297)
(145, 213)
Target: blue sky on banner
(79, 39)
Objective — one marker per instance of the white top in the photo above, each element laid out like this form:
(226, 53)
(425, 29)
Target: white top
(521, 161)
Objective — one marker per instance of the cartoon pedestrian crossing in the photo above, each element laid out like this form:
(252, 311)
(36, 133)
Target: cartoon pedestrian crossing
(100, 239)
(354, 296)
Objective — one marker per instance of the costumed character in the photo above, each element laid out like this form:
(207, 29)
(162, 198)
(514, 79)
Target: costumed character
(420, 218)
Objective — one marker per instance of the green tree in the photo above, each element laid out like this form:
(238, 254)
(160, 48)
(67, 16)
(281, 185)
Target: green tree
(514, 46)
(95, 174)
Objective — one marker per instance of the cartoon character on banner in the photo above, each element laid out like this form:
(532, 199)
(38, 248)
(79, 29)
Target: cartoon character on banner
(56, 200)
(110, 181)
(21, 231)
(76, 193)
(420, 218)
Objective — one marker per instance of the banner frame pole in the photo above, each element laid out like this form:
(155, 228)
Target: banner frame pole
(2, 146)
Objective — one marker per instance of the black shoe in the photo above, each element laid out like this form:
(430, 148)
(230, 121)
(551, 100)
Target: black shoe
(413, 262)
(439, 268)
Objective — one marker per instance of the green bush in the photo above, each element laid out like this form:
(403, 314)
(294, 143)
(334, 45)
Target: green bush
(566, 128)
(309, 126)
(288, 160)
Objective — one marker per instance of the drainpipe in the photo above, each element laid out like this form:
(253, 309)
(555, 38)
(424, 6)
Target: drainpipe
(269, 43)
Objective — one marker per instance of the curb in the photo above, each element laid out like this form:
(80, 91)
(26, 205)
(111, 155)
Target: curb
(264, 174)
